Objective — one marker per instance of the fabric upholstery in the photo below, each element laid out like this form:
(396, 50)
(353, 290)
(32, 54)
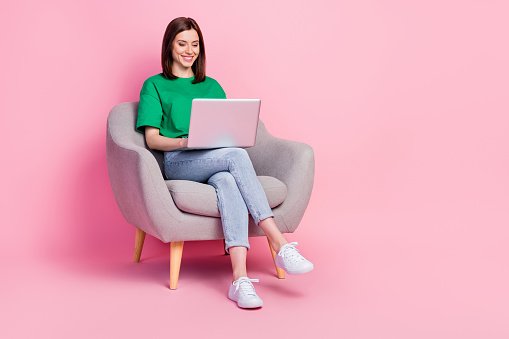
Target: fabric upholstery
(197, 198)
(137, 182)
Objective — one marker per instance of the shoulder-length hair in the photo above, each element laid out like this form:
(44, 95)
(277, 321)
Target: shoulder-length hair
(176, 26)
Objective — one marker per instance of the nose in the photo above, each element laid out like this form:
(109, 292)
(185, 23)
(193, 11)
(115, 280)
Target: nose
(188, 49)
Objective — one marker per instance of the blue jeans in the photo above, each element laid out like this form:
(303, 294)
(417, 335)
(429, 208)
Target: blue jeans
(238, 190)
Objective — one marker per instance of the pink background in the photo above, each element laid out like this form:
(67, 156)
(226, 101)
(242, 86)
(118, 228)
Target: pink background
(404, 102)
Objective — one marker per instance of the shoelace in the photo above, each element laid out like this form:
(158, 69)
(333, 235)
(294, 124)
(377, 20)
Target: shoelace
(246, 285)
(291, 253)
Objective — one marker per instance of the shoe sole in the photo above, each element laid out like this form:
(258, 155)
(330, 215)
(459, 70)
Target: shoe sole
(296, 272)
(302, 271)
(241, 305)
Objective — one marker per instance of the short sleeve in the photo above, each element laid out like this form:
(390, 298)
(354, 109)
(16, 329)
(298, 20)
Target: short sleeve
(220, 92)
(150, 112)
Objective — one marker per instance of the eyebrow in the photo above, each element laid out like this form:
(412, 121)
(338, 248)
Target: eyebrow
(186, 41)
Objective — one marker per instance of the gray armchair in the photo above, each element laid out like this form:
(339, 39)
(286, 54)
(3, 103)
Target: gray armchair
(175, 211)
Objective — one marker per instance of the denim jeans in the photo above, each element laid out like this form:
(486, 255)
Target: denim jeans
(238, 190)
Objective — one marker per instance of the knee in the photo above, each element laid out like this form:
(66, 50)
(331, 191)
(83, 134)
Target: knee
(222, 179)
(238, 155)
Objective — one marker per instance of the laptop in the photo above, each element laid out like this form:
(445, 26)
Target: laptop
(217, 123)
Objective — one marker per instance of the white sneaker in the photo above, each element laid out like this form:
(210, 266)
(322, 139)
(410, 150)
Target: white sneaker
(242, 291)
(290, 260)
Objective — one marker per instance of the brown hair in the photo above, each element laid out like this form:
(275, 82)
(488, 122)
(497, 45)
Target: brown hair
(175, 27)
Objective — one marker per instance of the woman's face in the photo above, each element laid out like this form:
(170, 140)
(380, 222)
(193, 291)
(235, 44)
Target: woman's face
(186, 48)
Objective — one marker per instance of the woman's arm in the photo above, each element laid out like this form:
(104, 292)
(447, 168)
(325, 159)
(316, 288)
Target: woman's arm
(162, 143)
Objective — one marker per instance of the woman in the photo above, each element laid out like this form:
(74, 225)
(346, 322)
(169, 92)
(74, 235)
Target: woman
(164, 115)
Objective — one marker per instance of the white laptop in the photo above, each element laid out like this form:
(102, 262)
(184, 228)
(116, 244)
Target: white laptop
(217, 123)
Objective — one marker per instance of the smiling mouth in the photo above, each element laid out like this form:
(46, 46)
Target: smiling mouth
(187, 58)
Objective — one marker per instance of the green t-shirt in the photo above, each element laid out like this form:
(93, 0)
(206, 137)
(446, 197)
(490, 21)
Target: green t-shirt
(166, 103)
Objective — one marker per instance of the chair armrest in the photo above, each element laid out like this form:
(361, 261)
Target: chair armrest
(139, 189)
(293, 163)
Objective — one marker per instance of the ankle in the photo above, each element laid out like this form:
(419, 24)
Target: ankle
(277, 245)
(236, 276)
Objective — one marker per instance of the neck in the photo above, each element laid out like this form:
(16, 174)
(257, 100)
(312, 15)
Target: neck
(182, 72)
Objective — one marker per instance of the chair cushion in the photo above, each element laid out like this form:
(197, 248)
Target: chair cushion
(197, 198)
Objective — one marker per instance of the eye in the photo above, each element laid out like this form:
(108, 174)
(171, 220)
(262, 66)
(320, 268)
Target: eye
(181, 44)
(195, 45)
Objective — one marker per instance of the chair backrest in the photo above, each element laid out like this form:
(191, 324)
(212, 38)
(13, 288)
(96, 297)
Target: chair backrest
(122, 127)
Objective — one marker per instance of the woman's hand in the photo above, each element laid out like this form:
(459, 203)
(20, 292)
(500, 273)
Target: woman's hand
(162, 143)
(183, 142)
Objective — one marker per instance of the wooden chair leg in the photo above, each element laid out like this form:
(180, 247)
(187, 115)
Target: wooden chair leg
(280, 271)
(176, 248)
(138, 244)
(224, 246)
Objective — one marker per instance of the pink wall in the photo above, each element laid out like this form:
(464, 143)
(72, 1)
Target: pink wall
(404, 102)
